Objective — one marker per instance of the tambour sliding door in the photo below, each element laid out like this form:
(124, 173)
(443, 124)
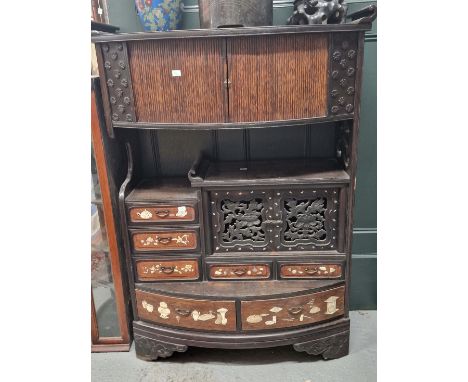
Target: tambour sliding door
(234, 79)
(277, 77)
(179, 80)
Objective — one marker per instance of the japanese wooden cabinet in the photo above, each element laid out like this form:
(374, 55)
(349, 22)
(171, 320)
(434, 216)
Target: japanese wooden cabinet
(237, 208)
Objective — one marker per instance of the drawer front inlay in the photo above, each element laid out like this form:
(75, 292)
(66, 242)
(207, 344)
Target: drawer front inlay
(164, 240)
(292, 311)
(167, 270)
(314, 271)
(239, 271)
(186, 313)
(163, 213)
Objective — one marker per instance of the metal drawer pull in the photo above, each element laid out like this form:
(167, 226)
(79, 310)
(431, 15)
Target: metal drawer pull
(240, 272)
(167, 270)
(165, 240)
(163, 213)
(295, 310)
(183, 312)
(311, 271)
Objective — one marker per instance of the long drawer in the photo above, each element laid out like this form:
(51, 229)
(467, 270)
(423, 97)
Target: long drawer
(158, 270)
(292, 311)
(186, 313)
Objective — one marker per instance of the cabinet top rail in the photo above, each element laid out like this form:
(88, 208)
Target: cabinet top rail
(229, 32)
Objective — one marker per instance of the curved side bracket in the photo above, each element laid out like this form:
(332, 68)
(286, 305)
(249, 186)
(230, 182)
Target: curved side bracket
(124, 187)
(123, 192)
(197, 171)
(364, 16)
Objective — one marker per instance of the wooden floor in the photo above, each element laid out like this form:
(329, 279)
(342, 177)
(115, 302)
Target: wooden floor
(281, 364)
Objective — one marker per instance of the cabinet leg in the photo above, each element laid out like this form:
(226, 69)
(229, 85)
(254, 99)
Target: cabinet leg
(148, 349)
(335, 346)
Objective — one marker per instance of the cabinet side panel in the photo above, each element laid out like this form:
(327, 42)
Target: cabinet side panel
(178, 80)
(278, 77)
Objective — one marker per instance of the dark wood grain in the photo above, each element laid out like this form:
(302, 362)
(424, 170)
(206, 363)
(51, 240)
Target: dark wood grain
(162, 189)
(251, 289)
(230, 125)
(229, 32)
(194, 96)
(272, 172)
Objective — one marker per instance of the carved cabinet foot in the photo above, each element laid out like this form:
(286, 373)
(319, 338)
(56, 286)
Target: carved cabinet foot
(335, 346)
(148, 349)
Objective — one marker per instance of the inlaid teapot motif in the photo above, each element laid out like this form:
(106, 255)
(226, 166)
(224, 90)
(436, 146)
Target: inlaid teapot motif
(145, 214)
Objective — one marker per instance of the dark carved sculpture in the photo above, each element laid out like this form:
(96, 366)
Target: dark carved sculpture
(242, 220)
(150, 350)
(234, 13)
(335, 346)
(318, 12)
(305, 219)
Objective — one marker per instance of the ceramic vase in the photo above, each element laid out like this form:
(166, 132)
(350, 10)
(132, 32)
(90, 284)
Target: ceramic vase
(159, 15)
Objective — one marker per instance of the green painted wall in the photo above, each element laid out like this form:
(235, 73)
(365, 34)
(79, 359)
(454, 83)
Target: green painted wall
(364, 269)
(122, 13)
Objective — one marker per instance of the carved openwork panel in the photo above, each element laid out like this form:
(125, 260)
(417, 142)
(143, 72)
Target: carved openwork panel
(310, 219)
(118, 81)
(242, 220)
(343, 73)
(275, 220)
(239, 220)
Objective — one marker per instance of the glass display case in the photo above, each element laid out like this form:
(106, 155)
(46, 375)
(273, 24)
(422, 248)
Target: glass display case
(109, 311)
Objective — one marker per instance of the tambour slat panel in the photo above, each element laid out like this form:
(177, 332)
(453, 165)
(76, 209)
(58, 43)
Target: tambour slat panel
(194, 96)
(278, 77)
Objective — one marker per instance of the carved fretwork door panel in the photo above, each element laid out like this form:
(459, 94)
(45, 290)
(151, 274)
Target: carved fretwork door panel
(240, 220)
(309, 219)
(275, 220)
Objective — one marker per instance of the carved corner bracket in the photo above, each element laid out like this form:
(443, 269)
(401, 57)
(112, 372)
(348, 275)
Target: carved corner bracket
(343, 68)
(331, 347)
(118, 81)
(150, 350)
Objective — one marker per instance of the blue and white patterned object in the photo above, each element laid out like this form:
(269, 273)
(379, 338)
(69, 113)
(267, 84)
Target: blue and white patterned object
(159, 15)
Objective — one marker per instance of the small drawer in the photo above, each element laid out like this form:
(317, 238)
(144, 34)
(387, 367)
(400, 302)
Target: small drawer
(186, 313)
(239, 271)
(292, 311)
(155, 270)
(164, 213)
(310, 271)
(165, 240)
